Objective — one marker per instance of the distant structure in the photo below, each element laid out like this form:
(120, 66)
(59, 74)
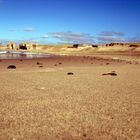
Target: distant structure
(21, 46)
(115, 44)
(27, 46)
(95, 46)
(74, 46)
(12, 46)
(134, 45)
(83, 45)
(90, 45)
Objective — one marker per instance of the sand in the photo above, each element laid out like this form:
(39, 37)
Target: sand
(39, 101)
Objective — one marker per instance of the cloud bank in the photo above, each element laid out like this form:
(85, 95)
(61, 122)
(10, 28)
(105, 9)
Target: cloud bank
(111, 33)
(72, 38)
(110, 36)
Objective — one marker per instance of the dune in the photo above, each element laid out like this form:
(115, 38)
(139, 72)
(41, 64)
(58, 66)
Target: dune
(68, 49)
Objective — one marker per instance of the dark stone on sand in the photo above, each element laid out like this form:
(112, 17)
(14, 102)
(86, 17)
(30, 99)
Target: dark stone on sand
(40, 66)
(11, 67)
(104, 74)
(55, 64)
(70, 73)
(110, 73)
(84, 135)
(38, 63)
(59, 63)
(107, 63)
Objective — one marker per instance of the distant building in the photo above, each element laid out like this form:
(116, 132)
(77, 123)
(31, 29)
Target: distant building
(27, 46)
(134, 45)
(115, 44)
(74, 46)
(83, 46)
(95, 46)
(12, 46)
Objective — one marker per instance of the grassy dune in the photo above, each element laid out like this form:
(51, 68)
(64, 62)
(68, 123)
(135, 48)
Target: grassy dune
(63, 49)
(86, 50)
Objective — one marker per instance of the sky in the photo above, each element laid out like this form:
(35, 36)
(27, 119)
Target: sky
(70, 21)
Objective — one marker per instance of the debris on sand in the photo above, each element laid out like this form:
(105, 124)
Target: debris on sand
(70, 73)
(59, 63)
(38, 63)
(11, 67)
(113, 73)
(41, 66)
(84, 135)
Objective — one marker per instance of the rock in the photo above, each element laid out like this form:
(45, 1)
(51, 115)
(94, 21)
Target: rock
(38, 63)
(11, 67)
(40, 66)
(84, 135)
(110, 73)
(70, 73)
(104, 74)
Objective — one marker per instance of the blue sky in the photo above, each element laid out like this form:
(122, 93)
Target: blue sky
(70, 21)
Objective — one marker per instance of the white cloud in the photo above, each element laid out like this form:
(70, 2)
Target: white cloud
(111, 33)
(29, 29)
(71, 37)
(110, 36)
(108, 39)
(45, 36)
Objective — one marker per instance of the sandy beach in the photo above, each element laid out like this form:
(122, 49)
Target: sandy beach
(40, 101)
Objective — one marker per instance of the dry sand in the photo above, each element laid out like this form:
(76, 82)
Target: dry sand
(44, 103)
